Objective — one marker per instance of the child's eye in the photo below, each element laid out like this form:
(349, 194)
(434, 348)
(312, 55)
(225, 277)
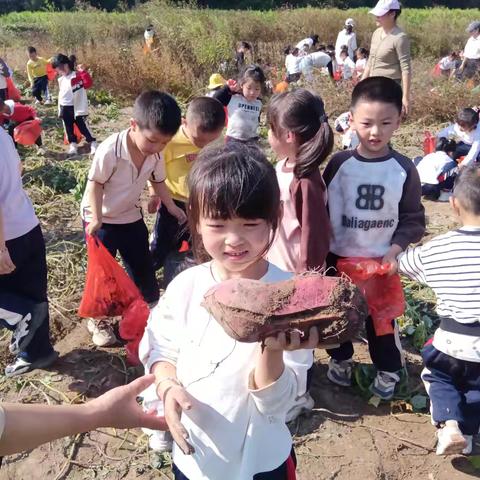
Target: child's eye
(214, 225)
(251, 224)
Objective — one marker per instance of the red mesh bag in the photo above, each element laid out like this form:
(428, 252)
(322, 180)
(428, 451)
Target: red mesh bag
(27, 132)
(383, 292)
(108, 289)
(51, 72)
(13, 93)
(437, 71)
(76, 132)
(429, 142)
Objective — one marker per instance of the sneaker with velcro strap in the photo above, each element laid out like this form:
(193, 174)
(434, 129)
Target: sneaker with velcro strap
(384, 384)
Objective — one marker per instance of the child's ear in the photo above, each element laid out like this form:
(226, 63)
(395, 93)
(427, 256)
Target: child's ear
(290, 137)
(454, 205)
(133, 124)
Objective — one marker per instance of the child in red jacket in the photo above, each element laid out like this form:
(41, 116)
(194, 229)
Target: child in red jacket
(14, 113)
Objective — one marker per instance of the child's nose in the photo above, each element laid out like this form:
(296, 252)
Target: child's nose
(233, 239)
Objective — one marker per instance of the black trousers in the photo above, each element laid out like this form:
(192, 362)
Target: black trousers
(131, 241)
(280, 473)
(40, 86)
(168, 235)
(3, 94)
(29, 279)
(453, 386)
(67, 114)
(385, 350)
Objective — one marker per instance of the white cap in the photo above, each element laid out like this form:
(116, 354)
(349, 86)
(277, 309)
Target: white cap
(350, 21)
(384, 6)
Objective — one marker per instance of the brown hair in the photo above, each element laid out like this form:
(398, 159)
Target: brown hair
(302, 113)
(231, 181)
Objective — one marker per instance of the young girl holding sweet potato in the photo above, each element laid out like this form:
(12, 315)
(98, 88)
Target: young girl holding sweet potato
(301, 137)
(225, 402)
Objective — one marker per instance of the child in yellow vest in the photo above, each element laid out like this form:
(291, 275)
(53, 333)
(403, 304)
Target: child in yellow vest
(203, 124)
(37, 75)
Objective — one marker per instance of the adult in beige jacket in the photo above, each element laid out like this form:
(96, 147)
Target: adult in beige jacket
(390, 49)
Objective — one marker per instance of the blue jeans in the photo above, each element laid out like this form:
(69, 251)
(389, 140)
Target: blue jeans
(29, 279)
(131, 241)
(453, 386)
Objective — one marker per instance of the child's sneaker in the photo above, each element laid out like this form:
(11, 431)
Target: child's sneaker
(159, 441)
(450, 440)
(21, 366)
(93, 148)
(48, 101)
(102, 334)
(73, 149)
(340, 373)
(303, 404)
(384, 384)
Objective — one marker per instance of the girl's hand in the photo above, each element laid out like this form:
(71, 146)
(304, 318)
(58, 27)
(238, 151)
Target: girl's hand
(292, 341)
(6, 264)
(175, 400)
(153, 204)
(93, 227)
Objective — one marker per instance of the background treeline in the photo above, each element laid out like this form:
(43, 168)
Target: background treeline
(22, 5)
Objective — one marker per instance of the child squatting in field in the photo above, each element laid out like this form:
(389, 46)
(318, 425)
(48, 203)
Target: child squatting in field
(225, 402)
(450, 264)
(377, 187)
(110, 207)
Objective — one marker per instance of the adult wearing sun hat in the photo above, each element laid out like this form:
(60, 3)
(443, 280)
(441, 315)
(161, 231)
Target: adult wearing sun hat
(346, 38)
(471, 53)
(390, 49)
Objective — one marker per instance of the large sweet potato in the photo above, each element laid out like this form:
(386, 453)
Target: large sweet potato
(250, 310)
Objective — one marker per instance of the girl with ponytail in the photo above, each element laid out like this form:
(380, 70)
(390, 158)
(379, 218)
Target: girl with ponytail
(72, 102)
(302, 139)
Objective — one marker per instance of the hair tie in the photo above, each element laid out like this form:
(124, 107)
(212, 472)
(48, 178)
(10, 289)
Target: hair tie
(324, 118)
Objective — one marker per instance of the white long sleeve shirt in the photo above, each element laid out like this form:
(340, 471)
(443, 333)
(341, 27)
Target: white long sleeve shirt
(346, 39)
(236, 430)
(293, 64)
(469, 138)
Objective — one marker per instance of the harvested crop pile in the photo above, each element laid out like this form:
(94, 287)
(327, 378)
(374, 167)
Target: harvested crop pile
(250, 310)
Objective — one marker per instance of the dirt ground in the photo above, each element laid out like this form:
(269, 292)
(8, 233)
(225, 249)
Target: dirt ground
(343, 438)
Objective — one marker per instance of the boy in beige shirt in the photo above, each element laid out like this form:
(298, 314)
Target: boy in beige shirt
(110, 207)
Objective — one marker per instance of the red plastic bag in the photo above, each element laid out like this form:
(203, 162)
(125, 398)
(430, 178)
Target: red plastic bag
(76, 132)
(86, 78)
(429, 142)
(384, 294)
(28, 132)
(13, 93)
(109, 291)
(437, 72)
(51, 72)
(132, 327)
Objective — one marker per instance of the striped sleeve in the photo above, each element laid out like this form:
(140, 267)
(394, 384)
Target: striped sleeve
(410, 264)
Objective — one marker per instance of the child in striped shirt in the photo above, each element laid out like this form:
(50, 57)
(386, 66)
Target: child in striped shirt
(450, 265)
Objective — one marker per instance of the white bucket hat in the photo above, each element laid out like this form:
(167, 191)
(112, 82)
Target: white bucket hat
(350, 21)
(384, 6)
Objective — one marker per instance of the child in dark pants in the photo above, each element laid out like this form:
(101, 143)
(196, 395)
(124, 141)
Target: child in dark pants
(450, 265)
(375, 210)
(72, 102)
(23, 266)
(119, 173)
(202, 125)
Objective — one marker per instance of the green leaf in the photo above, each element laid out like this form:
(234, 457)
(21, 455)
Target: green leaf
(475, 461)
